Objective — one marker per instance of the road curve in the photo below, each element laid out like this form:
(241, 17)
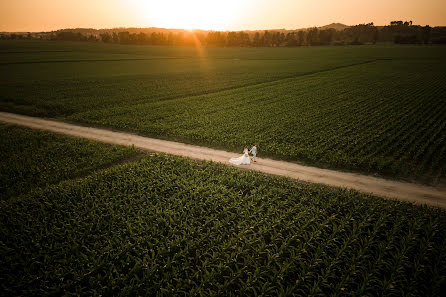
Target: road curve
(421, 194)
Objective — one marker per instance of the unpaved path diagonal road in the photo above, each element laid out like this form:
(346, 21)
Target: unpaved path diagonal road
(435, 196)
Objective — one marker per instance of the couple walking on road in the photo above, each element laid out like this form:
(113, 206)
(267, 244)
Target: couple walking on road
(244, 159)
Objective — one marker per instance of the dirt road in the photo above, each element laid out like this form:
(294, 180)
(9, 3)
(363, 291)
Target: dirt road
(367, 184)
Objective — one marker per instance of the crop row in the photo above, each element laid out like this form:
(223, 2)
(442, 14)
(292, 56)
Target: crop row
(32, 159)
(382, 117)
(356, 117)
(86, 83)
(172, 226)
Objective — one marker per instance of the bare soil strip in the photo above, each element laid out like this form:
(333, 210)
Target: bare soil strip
(421, 194)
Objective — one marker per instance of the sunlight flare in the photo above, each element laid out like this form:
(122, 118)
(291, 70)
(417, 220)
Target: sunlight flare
(195, 14)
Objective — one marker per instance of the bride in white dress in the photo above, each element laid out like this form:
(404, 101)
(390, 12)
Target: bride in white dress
(242, 160)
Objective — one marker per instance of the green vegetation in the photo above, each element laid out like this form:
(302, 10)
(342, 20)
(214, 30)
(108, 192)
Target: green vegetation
(31, 159)
(58, 79)
(362, 119)
(175, 227)
(374, 109)
(397, 32)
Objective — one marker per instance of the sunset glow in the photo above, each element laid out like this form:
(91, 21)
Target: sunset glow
(194, 14)
(47, 15)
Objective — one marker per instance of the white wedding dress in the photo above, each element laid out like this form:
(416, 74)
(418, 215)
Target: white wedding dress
(243, 160)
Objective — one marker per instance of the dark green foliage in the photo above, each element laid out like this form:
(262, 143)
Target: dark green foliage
(374, 109)
(397, 32)
(31, 158)
(175, 227)
(355, 117)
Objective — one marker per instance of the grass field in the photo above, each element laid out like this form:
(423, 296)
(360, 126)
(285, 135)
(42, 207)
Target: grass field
(373, 109)
(170, 226)
(33, 159)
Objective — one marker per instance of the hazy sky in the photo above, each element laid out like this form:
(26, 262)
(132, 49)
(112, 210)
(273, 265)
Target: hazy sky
(45, 15)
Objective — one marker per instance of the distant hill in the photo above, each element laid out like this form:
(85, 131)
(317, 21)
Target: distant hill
(150, 30)
(397, 32)
(130, 30)
(336, 26)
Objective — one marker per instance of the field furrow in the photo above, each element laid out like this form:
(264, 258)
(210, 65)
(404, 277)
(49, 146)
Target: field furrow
(375, 110)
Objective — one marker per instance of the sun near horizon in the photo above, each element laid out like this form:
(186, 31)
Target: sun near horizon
(195, 14)
(48, 15)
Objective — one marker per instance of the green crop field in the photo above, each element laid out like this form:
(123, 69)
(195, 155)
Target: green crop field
(373, 109)
(32, 159)
(170, 226)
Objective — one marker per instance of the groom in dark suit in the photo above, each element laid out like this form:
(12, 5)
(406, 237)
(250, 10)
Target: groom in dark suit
(253, 152)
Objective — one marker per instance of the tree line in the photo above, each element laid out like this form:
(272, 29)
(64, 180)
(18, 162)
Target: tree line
(397, 32)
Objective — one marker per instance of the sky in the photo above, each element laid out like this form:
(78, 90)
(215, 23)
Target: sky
(47, 15)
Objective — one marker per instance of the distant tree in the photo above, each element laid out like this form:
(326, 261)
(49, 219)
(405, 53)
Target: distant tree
(313, 36)
(115, 37)
(396, 23)
(216, 38)
(106, 37)
(124, 37)
(398, 32)
(291, 39)
(92, 38)
(375, 36)
(244, 39)
(232, 39)
(267, 38)
(440, 40)
(158, 39)
(170, 39)
(281, 39)
(426, 34)
(359, 34)
(276, 39)
(301, 37)
(406, 39)
(326, 36)
(69, 36)
(256, 40)
(143, 38)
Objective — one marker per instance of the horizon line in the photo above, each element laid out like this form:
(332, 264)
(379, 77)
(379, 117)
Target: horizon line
(198, 29)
